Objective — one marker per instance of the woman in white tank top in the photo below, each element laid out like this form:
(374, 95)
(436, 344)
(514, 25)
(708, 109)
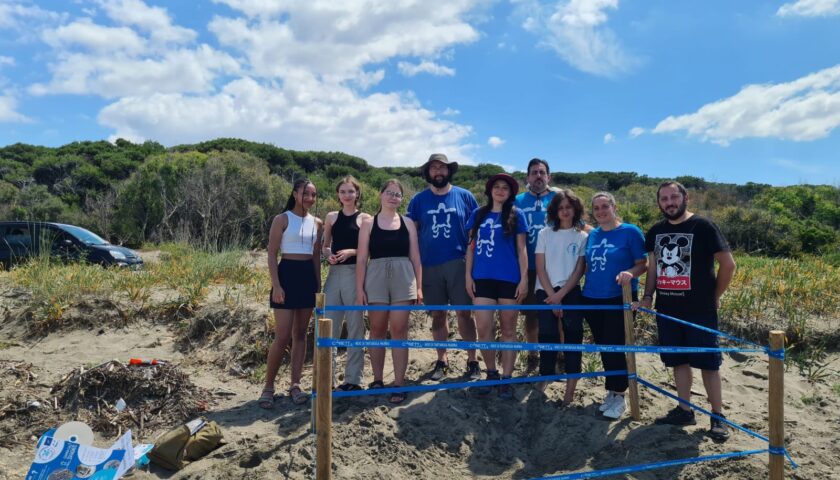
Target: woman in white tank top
(294, 282)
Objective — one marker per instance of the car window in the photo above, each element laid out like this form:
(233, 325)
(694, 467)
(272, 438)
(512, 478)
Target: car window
(18, 238)
(85, 236)
(53, 239)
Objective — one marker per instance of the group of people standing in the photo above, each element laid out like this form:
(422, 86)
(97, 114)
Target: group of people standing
(532, 247)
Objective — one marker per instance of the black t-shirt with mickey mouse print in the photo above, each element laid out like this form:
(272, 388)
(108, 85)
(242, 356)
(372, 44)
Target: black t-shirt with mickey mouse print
(685, 263)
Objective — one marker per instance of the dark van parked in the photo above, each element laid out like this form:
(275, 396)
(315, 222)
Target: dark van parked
(20, 241)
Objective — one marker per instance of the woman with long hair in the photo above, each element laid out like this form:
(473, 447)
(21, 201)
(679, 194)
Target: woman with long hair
(294, 281)
(392, 277)
(497, 267)
(341, 240)
(615, 256)
(560, 265)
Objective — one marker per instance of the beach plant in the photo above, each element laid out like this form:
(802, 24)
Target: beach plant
(836, 389)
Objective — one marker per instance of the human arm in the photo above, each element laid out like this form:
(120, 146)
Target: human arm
(326, 249)
(414, 256)
(522, 255)
(650, 284)
(726, 270)
(275, 235)
(316, 253)
(624, 277)
(468, 259)
(361, 260)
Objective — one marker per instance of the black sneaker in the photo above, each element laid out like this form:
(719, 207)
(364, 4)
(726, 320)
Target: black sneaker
(719, 430)
(440, 371)
(473, 371)
(677, 416)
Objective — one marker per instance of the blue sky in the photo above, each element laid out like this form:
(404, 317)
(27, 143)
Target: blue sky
(729, 91)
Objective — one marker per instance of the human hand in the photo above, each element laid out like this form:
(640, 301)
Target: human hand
(624, 278)
(278, 295)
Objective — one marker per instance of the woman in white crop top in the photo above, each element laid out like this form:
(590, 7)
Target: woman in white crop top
(294, 282)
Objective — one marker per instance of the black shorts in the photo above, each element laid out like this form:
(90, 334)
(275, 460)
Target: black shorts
(495, 289)
(297, 277)
(530, 297)
(673, 334)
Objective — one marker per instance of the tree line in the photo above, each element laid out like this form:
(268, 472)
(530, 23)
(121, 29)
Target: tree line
(223, 193)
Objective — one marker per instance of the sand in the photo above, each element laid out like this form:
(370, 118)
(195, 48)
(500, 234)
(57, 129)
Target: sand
(445, 434)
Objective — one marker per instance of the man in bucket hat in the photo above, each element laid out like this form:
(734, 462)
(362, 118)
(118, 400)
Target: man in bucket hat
(440, 213)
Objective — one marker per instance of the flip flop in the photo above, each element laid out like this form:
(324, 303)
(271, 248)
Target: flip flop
(266, 400)
(376, 384)
(398, 398)
(348, 387)
(299, 397)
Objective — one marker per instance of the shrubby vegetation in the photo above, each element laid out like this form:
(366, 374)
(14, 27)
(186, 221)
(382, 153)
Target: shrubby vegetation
(223, 193)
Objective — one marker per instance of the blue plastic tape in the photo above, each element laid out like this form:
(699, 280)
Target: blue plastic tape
(653, 466)
(700, 327)
(540, 347)
(702, 410)
(379, 308)
(474, 384)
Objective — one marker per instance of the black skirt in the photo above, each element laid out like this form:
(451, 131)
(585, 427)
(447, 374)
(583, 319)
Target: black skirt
(297, 277)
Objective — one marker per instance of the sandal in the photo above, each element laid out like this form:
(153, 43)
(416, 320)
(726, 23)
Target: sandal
(348, 387)
(266, 400)
(398, 397)
(299, 397)
(376, 384)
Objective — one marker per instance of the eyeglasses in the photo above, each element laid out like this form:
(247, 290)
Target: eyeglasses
(393, 194)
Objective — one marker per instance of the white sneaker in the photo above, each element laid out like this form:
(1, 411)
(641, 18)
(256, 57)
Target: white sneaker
(608, 402)
(619, 405)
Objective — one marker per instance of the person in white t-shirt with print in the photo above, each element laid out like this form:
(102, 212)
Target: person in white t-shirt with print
(560, 266)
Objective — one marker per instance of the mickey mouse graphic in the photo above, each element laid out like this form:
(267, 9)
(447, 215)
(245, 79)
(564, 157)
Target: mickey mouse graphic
(670, 258)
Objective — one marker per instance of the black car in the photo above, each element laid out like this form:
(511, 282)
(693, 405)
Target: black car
(22, 240)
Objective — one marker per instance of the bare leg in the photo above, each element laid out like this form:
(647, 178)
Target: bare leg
(486, 328)
(466, 327)
(683, 378)
(398, 324)
(507, 320)
(378, 329)
(711, 380)
(569, 396)
(299, 328)
(440, 331)
(282, 337)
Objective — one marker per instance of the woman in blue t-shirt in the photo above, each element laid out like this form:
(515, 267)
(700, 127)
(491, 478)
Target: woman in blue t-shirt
(615, 256)
(497, 267)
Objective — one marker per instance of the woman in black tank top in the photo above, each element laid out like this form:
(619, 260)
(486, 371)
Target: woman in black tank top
(341, 239)
(393, 277)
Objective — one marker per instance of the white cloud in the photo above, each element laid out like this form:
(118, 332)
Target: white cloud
(804, 109)
(110, 76)
(4, 60)
(153, 20)
(576, 30)
(809, 8)
(432, 68)
(335, 40)
(384, 128)
(8, 110)
(290, 73)
(17, 16)
(87, 35)
(636, 131)
(609, 138)
(495, 142)
(450, 112)
(796, 166)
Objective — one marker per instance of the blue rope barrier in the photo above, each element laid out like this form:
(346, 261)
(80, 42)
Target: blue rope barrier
(700, 327)
(380, 308)
(541, 347)
(473, 384)
(653, 466)
(779, 450)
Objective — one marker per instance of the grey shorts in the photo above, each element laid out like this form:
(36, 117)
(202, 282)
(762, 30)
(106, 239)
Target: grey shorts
(446, 284)
(389, 280)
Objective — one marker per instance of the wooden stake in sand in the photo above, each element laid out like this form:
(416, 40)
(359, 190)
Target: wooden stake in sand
(630, 339)
(777, 406)
(323, 400)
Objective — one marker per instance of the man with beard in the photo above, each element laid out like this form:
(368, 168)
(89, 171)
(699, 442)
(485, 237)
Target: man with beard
(440, 213)
(534, 203)
(686, 247)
